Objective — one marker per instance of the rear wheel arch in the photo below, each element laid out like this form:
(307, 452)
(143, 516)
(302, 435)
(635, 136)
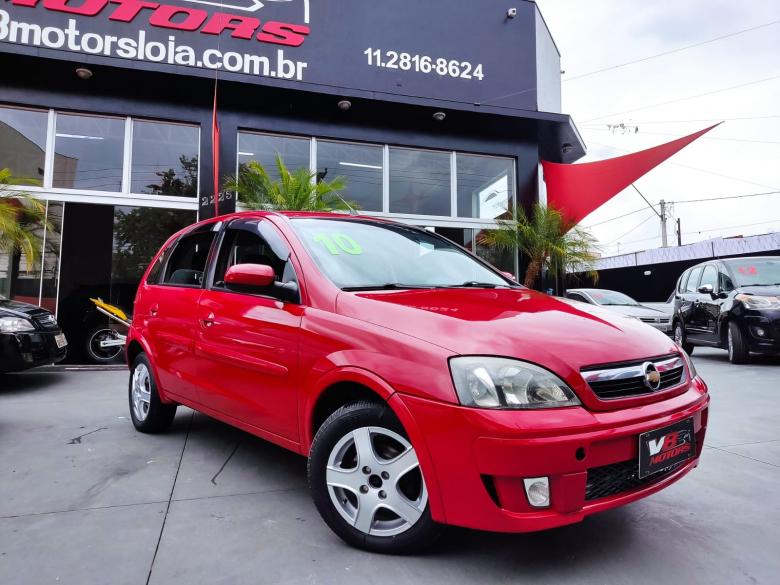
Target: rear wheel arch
(134, 349)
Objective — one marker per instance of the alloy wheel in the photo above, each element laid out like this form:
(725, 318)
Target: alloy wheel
(141, 392)
(375, 483)
(678, 337)
(731, 344)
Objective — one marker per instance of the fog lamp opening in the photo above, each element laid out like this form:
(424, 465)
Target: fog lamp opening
(537, 490)
(759, 331)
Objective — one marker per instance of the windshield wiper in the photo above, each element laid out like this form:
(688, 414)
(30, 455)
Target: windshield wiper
(764, 284)
(386, 286)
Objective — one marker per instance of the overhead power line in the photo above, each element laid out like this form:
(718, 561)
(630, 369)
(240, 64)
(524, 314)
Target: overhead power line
(685, 98)
(731, 227)
(701, 170)
(637, 226)
(703, 200)
(725, 138)
(672, 51)
(713, 119)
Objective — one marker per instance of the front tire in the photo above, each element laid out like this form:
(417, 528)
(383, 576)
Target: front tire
(366, 482)
(148, 413)
(679, 337)
(738, 351)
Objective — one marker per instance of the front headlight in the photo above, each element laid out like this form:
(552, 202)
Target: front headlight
(757, 302)
(492, 382)
(15, 325)
(689, 363)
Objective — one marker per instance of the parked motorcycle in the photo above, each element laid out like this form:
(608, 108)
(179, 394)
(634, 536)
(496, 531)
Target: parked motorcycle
(105, 342)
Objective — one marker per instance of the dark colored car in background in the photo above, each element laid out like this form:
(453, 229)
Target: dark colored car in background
(29, 336)
(733, 304)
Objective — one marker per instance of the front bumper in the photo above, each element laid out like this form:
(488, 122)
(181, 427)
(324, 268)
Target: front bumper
(768, 324)
(20, 351)
(479, 458)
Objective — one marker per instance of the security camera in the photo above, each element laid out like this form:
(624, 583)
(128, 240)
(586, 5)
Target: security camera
(511, 13)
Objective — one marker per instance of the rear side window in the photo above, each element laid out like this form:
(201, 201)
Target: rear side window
(577, 297)
(693, 280)
(188, 260)
(154, 274)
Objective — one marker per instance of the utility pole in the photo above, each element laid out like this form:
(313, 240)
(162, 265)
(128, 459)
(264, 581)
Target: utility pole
(679, 233)
(662, 215)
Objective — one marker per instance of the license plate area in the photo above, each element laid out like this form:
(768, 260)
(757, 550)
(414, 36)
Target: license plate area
(60, 340)
(662, 448)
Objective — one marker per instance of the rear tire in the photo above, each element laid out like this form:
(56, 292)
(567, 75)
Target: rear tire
(101, 355)
(738, 351)
(362, 469)
(679, 337)
(148, 413)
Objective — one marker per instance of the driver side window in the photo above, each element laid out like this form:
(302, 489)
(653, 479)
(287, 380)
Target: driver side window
(244, 245)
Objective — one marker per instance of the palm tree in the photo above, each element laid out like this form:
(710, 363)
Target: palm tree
(294, 190)
(21, 217)
(548, 239)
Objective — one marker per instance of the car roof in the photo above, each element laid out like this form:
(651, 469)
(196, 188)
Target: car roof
(734, 259)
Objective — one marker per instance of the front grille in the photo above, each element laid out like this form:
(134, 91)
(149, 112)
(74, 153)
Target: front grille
(618, 478)
(46, 321)
(629, 379)
(654, 320)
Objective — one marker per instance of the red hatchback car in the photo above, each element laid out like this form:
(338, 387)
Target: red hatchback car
(425, 387)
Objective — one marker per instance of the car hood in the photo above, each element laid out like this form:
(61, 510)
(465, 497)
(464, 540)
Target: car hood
(763, 291)
(510, 322)
(16, 308)
(634, 310)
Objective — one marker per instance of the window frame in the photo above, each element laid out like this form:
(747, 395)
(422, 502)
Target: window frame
(216, 254)
(122, 197)
(698, 279)
(701, 278)
(198, 228)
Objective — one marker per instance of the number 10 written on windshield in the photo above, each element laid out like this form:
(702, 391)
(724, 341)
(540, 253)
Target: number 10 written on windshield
(424, 64)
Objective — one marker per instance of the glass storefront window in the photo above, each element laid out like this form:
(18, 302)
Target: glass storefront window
(23, 281)
(502, 259)
(165, 159)
(88, 152)
(359, 164)
(419, 182)
(264, 148)
(486, 186)
(23, 143)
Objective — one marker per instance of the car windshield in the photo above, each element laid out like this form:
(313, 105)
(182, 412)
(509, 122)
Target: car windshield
(755, 272)
(365, 255)
(611, 297)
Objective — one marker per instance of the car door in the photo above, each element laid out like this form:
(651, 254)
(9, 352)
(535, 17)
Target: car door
(170, 311)
(707, 307)
(688, 298)
(247, 338)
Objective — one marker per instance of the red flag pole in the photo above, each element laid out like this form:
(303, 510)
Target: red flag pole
(215, 151)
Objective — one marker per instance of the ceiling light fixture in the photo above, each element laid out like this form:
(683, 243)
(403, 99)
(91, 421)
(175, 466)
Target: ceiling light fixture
(83, 73)
(439, 116)
(344, 105)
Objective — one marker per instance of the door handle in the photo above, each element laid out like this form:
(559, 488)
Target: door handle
(208, 321)
(153, 310)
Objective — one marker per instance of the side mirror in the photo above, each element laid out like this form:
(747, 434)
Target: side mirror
(259, 275)
(705, 289)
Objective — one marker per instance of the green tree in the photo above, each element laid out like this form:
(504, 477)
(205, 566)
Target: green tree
(296, 190)
(21, 218)
(171, 184)
(548, 239)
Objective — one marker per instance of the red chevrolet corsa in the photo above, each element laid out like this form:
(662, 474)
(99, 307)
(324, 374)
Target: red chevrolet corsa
(424, 386)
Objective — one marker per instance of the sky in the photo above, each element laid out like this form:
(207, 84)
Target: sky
(741, 156)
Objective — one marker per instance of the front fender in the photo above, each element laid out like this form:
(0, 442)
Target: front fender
(384, 390)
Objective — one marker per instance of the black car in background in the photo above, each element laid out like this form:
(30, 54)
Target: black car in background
(29, 337)
(733, 304)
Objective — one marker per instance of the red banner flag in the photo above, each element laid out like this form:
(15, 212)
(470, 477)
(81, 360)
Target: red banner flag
(578, 189)
(215, 151)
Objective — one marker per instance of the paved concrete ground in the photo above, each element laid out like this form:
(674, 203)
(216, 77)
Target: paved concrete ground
(84, 499)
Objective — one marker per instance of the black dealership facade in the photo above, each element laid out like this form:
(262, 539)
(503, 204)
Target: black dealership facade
(437, 113)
